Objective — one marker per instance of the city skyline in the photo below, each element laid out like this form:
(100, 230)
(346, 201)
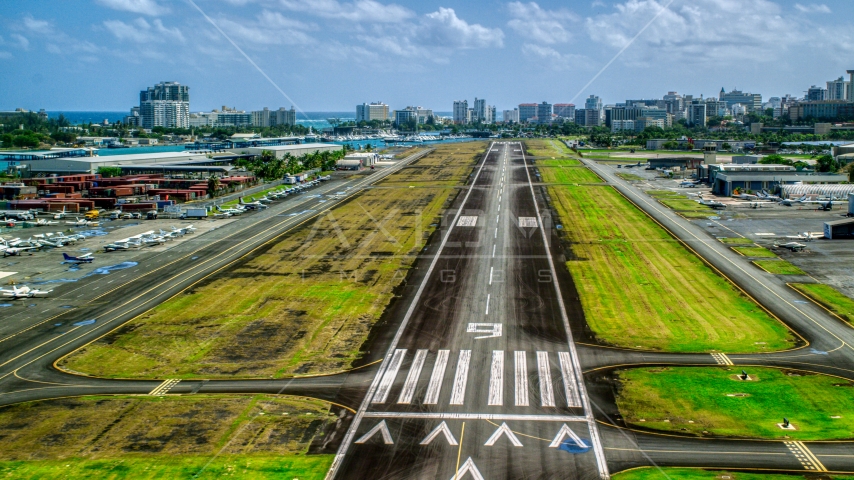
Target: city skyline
(337, 54)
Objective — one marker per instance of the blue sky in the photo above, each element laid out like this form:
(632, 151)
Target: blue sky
(329, 55)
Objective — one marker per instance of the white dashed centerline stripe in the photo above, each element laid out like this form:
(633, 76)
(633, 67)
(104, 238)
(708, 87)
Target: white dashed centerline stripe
(547, 396)
(496, 379)
(490, 279)
(493, 251)
(487, 303)
(458, 393)
(412, 379)
(521, 379)
(435, 385)
(390, 374)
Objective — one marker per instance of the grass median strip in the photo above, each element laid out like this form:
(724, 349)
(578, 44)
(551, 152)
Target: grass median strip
(168, 437)
(736, 241)
(630, 177)
(569, 175)
(681, 204)
(755, 252)
(713, 401)
(640, 288)
(303, 305)
(672, 473)
(779, 267)
(828, 297)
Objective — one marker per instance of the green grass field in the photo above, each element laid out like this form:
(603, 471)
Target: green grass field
(681, 204)
(779, 267)
(671, 473)
(561, 162)
(302, 306)
(736, 241)
(570, 175)
(199, 436)
(668, 299)
(544, 147)
(630, 177)
(157, 467)
(829, 297)
(694, 400)
(756, 252)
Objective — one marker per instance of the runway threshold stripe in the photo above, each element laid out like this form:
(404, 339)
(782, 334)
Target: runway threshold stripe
(435, 385)
(412, 378)
(496, 379)
(571, 389)
(547, 396)
(458, 393)
(521, 379)
(164, 387)
(390, 374)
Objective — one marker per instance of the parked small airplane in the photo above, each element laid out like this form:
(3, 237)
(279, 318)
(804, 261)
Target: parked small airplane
(688, 185)
(230, 211)
(23, 292)
(793, 246)
(789, 202)
(255, 205)
(88, 258)
(60, 215)
(80, 222)
(711, 203)
(807, 236)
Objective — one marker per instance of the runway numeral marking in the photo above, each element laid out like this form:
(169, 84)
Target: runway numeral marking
(547, 396)
(467, 221)
(493, 329)
(527, 222)
(521, 379)
(458, 394)
(435, 386)
(390, 374)
(412, 378)
(496, 379)
(722, 359)
(164, 387)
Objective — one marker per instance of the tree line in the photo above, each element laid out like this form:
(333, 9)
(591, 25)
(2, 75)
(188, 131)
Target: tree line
(268, 166)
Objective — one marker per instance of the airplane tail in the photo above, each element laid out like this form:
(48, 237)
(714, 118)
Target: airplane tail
(240, 200)
(65, 256)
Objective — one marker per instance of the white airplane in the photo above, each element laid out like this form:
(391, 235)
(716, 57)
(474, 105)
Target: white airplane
(44, 223)
(793, 246)
(60, 215)
(88, 258)
(688, 185)
(230, 211)
(183, 231)
(789, 203)
(23, 292)
(254, 204)
(807, 236)
(80, 222)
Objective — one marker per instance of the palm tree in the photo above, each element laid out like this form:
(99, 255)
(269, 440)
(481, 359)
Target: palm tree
(213, 185)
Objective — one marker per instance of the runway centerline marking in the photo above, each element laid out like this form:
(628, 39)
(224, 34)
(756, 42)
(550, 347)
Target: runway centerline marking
(487, 303)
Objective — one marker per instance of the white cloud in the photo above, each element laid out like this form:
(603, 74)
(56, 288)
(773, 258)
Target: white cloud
(42, 27)
(140, 31)
(270, 28)
(755, 31)
(444, 29)
(813, 8)
(597, 4)
(5, 55)
(542, 26)
(22, 40)
(369, 11)
(555, 59)
(53, 48)
(142, 7)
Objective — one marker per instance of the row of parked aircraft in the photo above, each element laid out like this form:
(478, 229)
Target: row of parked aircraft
(148, 238)
(16, 246)
(262, 203)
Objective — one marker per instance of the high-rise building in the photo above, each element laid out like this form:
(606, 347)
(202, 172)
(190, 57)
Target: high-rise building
(838, 89)
(166, 104)
(461, 112)
(593, 103)
(753, 101)
(479, 113)
(368, 112)
(272, 118)
(816, 94)
(588, 117)
(493, 114)
(527, 111)
(511, 116)
(565, 111)
(850, 85)
(696, 114)
(544, 113)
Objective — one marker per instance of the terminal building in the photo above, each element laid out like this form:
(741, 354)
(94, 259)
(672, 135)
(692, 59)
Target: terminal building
(726, 178)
